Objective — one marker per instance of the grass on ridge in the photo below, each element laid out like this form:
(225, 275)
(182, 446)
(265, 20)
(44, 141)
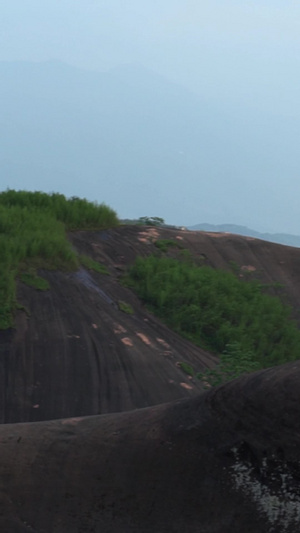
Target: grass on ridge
(33, 229)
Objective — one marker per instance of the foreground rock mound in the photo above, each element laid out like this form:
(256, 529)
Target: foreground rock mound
(227, 461)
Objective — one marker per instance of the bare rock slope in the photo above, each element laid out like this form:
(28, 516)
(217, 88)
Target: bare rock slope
(75, 353)
(225, 461)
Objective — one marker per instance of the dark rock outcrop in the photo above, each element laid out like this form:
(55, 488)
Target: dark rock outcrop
(225, 462)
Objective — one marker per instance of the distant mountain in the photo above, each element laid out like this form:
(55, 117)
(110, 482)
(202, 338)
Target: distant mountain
(280, 238)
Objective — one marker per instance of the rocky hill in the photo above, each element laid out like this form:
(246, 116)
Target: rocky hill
(222, 461)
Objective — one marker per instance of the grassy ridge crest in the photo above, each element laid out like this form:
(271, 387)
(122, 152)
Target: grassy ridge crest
(33, 229)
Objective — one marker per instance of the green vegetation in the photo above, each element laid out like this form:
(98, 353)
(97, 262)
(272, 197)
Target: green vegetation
(215, 309)
(188, 369)
(236, 269)
(125, 307)
(33, 280)
(165, 244)
(151, 221)
(89, 263)
(185, 256)
(234, 362)
(33, 229)
(75, 213)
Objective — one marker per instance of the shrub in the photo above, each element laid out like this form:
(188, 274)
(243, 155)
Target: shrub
(234, 362)
(213, 308)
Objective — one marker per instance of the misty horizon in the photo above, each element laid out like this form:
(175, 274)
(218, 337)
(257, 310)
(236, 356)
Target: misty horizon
(185, 111)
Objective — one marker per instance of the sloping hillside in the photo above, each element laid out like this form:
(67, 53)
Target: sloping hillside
(76, 353)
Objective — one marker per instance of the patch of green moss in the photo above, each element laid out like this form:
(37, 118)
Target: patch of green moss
(89, 263)
(165, 244)
(33, 280)
(186, 368)
(125, 307)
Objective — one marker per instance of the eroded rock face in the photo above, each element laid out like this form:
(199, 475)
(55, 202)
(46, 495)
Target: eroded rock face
(227, 461)
(264, 413)
(78, 354)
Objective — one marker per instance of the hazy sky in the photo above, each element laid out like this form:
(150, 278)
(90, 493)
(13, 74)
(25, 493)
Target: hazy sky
(244, 53)
(243, 49)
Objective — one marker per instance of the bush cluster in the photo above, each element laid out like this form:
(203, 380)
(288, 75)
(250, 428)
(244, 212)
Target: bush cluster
(234, 362)
(214, 309)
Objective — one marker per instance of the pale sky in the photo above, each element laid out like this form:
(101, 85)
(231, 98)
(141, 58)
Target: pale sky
(243, 55)
(253, 43)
